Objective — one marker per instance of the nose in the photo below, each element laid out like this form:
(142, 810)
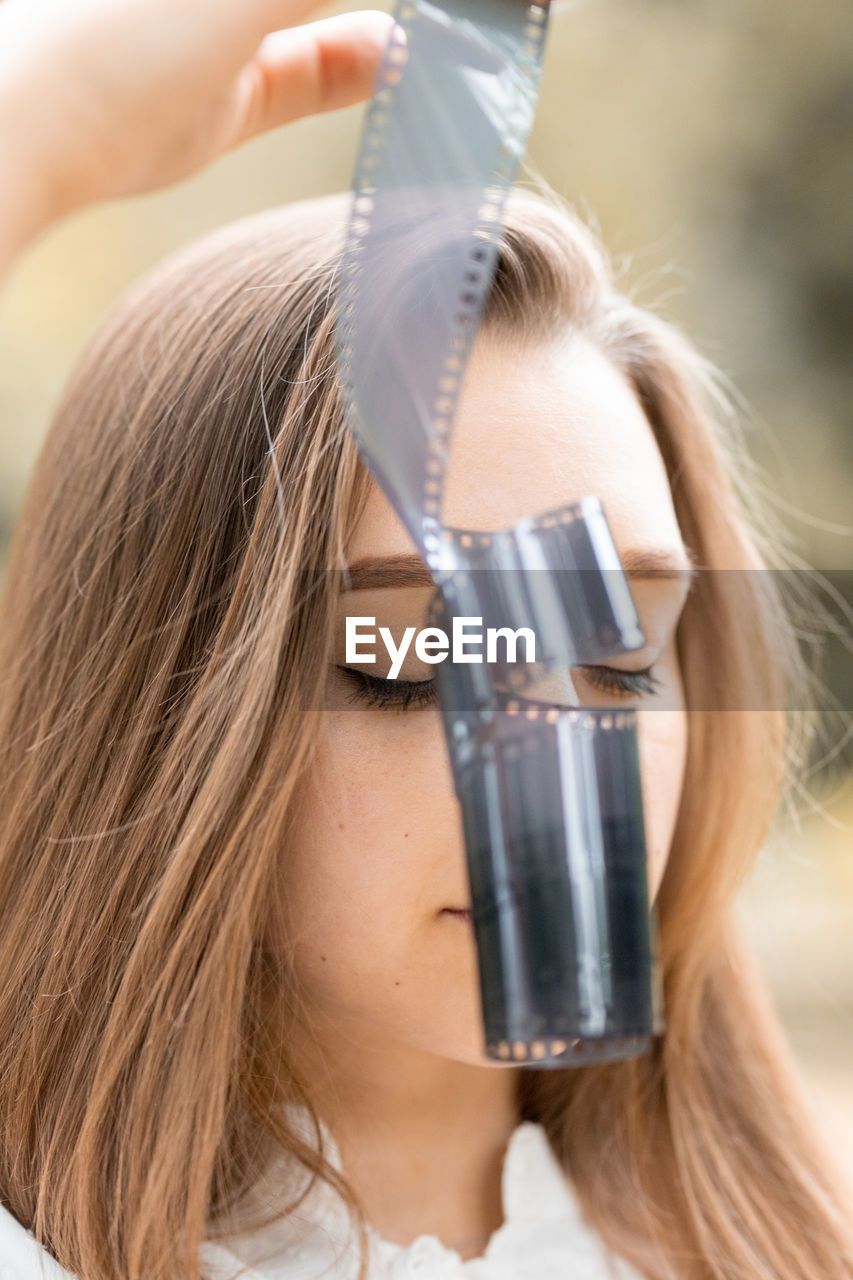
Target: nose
(551, 686)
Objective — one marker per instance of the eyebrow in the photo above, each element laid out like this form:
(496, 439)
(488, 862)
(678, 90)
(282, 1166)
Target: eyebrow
(409, 570)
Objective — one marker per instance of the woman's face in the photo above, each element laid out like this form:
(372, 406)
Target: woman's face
(378, 851)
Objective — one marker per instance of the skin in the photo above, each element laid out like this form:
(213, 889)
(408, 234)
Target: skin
(106, 98)
(421, 1117)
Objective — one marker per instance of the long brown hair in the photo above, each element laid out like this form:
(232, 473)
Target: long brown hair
(165, 609)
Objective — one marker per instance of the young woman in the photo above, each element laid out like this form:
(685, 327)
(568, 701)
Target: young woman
(229, 955)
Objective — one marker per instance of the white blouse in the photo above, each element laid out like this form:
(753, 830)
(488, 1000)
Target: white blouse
(543, 1235)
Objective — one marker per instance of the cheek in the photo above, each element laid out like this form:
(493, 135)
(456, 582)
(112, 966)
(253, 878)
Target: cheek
(375, 852)
(663, 751)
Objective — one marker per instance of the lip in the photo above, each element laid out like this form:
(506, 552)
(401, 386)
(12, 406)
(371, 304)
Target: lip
(461, 913)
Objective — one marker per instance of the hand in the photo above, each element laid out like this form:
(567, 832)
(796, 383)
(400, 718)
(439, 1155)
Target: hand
(104, 98)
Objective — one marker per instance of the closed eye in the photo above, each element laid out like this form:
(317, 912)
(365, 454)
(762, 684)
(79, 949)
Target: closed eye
(413, 694)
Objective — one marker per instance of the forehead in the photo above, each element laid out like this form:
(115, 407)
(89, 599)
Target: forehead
(537, 427)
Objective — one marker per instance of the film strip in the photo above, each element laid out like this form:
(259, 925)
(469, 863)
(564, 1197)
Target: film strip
(444, 134)
(550, 792)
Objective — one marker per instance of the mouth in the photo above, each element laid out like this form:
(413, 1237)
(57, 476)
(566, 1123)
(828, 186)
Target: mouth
(461, 913)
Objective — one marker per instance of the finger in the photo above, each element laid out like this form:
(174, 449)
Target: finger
(320, 66)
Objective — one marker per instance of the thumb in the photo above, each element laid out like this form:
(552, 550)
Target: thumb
(317, 67)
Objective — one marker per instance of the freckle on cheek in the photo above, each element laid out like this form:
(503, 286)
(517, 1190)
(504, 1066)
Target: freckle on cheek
(322, 957)
(396, 984)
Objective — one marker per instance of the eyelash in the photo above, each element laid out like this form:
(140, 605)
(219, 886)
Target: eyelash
(405, 694)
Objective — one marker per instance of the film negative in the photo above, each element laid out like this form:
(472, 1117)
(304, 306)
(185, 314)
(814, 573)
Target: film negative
(550, 791)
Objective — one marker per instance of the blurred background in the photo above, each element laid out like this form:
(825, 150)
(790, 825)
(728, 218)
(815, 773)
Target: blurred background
(711, 142)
